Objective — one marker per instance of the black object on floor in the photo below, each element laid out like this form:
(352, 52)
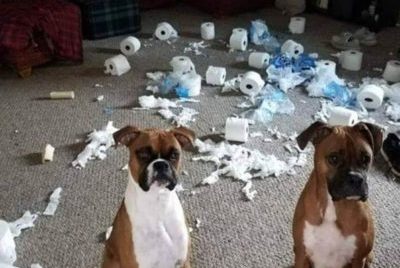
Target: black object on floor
(391, 152)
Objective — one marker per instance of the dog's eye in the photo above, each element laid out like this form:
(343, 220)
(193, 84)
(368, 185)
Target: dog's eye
(174, 156)
(334, 159)
(365, 159)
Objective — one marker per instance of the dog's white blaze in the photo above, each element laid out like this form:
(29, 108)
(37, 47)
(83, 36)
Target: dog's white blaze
(325, 245)
(159, 233)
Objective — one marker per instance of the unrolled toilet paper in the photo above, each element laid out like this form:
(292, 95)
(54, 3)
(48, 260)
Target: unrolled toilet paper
(292, 49)
(192, 82)
(252, 83)
(215, 75)
(340, 116)
(165, 31)
(207, 30)
(297, 25)
(259, 60)
(371, 96)
(129, 46)
(238, 41)
(117, 65)
(237, 129)
(8, 254)
(239, 30)
(351, 60)
(182, 65)
(392, 71)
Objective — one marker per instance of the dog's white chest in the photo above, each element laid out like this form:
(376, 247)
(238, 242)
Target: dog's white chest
(159, 233)
(325, 245)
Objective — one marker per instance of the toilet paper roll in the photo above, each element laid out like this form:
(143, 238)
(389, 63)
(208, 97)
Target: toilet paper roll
(371, 96)
(327, 65)
(207, 30)
(182, 65)
(259, 59)
(117, 65)
(129, 46)
(239, 30)
(192, 82)
(297, 25)
(292, 49)
(215, 75)
(392, 71)
(252, 83)
(8, 254)
(237, 129)
(340, 116)
(165, 31)
(351, 60)
(238, 41)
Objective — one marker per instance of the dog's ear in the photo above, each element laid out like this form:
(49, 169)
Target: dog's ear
(185, 137)
(315, 133)
(373, 134)
(126, 135)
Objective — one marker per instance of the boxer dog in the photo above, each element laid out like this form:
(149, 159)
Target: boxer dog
(150, 230)
(333, 225)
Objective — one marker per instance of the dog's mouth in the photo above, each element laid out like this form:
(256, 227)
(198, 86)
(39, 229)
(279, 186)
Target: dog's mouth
(160, 181)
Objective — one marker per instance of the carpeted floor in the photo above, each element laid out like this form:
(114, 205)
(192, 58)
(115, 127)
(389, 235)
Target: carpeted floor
(233, 232)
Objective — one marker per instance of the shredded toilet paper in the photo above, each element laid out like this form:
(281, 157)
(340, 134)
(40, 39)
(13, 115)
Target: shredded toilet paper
(393, 111)
(36, 265)
(53, 203)
(184, 118)
(108, 232)
(238, 162)
(195, 48)
(26, 221)
(232, 84)
(246, 190)
(99, 141)
(150, 102)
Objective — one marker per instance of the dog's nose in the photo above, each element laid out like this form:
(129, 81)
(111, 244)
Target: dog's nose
(161, 166)
(356, 180)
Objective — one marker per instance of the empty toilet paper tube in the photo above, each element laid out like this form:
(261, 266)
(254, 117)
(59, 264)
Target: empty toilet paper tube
(292, 49)
(297, 25)
(192, 82)
(238, 41)
(371, 96)
(165, 31)
(252, 83)
(117, 65)
(351, 60)
(259, 60)
(236, 129)
(129, 46)
(207, 30)
(340, 116)
(392, 71)
(48, 153)
(62, 95)
(8, 254)
(182, 64)
(215, 76)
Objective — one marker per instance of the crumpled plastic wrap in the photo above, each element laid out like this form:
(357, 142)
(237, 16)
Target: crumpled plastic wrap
(274, 101)
(53, 202)
(285, 78)
(322, 78)
(99, 141)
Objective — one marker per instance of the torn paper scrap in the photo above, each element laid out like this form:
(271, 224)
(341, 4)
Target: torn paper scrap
(213, 178)
(100, 98)
(108, 232)
(246, 190)
(197, 223)
(232, 84)
(26, 221)
(184, 118)
(36, 265)
(150, 102)
(8, 255)
(393, 111)
(195, 48)
(179, 188)
(53, 203)
(99, 141)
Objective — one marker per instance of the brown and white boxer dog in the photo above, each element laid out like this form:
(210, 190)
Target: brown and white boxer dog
(150, 230)
(333, 225)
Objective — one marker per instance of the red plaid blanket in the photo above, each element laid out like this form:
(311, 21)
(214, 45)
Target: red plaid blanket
(59, 20)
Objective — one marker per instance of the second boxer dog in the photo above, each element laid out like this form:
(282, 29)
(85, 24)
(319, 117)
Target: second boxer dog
(150, 230)
(333, 225)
